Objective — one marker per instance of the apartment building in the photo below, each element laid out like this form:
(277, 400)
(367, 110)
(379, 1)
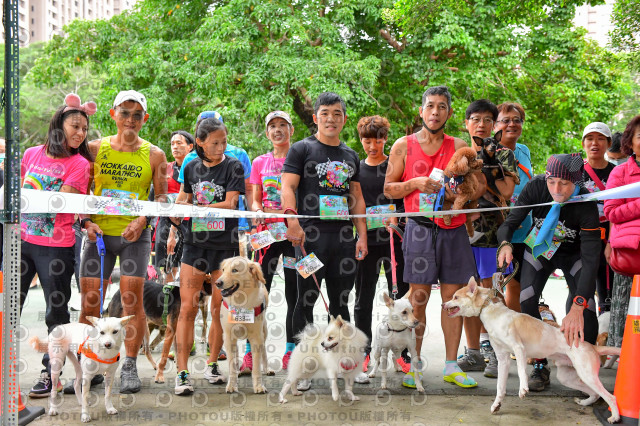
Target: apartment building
(596, 20)
(40, 20)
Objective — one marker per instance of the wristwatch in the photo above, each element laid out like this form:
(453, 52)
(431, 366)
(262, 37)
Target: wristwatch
(580, 301)
(84, 221)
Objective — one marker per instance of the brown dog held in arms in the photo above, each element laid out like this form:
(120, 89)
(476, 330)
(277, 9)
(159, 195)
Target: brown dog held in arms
(244, 301)
(525, 335)
(461, 167)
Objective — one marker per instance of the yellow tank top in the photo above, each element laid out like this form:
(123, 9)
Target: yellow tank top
(120, 174)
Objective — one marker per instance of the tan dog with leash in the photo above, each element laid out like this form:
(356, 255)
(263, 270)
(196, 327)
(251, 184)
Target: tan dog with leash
(527, 336)
(245, 300)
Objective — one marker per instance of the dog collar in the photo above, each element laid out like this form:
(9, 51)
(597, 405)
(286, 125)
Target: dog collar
(256, 311)
(397, 331)
(92, 355)
(349, 368)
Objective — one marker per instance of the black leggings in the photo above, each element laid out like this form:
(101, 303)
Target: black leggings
(536, 272)
(367, 278)
(604, 283)
(269, 263)
(336, 250)
(54, 266)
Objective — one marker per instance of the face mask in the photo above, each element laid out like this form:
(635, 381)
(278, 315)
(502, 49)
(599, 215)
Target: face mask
(617, 162)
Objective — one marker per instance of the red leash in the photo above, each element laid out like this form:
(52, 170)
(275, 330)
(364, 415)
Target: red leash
(304, 253)
(394, 229)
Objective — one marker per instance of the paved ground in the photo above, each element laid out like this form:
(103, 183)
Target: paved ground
(443, 403)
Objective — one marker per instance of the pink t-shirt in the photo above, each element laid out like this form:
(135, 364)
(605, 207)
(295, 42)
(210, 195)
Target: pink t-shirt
(266, 171)
(49, 174)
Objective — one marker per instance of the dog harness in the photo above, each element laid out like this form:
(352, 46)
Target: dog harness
(92, 355)
(256, 311)
(344, 367)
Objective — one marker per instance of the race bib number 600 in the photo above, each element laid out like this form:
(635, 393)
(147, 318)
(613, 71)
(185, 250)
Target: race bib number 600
(207, 224)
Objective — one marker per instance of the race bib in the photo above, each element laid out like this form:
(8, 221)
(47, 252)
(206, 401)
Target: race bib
(427, 201)
(308, 265)
(531, 240)
(241, 315)
(288, 262)
(261, 239)
(207, 224)
(278, 230)
(378, 222)
(120, 194)
(333, 205)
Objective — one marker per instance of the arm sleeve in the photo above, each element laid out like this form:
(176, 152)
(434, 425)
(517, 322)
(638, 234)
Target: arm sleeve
(623, 209)
(517, 216)
(590, 248)
(294, 163)
(236, 180)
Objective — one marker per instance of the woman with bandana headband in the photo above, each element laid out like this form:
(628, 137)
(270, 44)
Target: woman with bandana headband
(564, 236)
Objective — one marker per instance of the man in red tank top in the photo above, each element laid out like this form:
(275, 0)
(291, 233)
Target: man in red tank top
(434, 252)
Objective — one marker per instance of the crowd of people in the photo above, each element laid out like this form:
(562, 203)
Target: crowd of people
(320, 176)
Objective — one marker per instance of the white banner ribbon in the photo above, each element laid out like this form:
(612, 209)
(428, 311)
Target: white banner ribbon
(35, 201)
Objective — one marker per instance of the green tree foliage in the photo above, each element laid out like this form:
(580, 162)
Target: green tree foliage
(625, 35)
(39, 101)
(245, 58)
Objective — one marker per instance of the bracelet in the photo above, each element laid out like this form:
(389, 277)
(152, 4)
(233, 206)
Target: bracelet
(84, 221)
(289, 209)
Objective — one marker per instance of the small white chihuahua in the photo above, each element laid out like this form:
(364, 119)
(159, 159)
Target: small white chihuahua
(526, 336)
(100, 348)
(394, 334)
(338, 348)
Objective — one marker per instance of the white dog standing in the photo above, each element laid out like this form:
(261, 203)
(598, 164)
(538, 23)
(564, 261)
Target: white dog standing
(100, 348)
(338, 348)
(527, 336)
(394, 334)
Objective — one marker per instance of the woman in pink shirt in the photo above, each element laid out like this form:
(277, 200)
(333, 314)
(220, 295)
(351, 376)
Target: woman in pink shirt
(62, 165)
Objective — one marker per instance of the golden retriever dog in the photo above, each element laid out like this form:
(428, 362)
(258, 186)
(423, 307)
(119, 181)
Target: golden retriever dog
(244, 301)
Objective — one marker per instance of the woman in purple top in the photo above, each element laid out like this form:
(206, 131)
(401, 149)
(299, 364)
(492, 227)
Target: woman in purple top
(62, 164)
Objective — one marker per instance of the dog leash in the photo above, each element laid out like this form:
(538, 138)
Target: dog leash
(304, 253)
(394, 279)
(498, 279)
(102, 251)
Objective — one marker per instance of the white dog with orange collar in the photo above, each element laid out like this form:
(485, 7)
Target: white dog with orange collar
(100, 348)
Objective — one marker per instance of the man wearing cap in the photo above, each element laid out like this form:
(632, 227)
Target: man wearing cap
(125, 166)
(564, 236)
(596, 139)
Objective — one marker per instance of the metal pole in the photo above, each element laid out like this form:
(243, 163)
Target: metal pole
(11, 218)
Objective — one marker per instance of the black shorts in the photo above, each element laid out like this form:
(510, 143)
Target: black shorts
(205, 260)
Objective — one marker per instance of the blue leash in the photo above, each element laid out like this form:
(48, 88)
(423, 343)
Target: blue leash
(102, 250)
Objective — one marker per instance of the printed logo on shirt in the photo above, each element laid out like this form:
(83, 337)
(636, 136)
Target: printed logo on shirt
(207, 192)
(271, 187)
(40, 224)
(334, 174)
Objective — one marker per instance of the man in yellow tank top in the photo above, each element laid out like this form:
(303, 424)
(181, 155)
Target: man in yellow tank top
(125, 166)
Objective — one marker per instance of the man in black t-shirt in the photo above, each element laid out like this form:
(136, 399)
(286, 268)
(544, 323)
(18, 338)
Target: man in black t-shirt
(320, 177)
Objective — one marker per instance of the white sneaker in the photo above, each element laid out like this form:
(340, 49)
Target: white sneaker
(363, 378)
(304, 385)
(213, 374)
(183, 384)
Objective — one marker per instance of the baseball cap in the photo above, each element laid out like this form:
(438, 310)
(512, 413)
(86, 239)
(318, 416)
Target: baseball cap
(275, 114)
(597, 127)
(210, 114)
(130, 95)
